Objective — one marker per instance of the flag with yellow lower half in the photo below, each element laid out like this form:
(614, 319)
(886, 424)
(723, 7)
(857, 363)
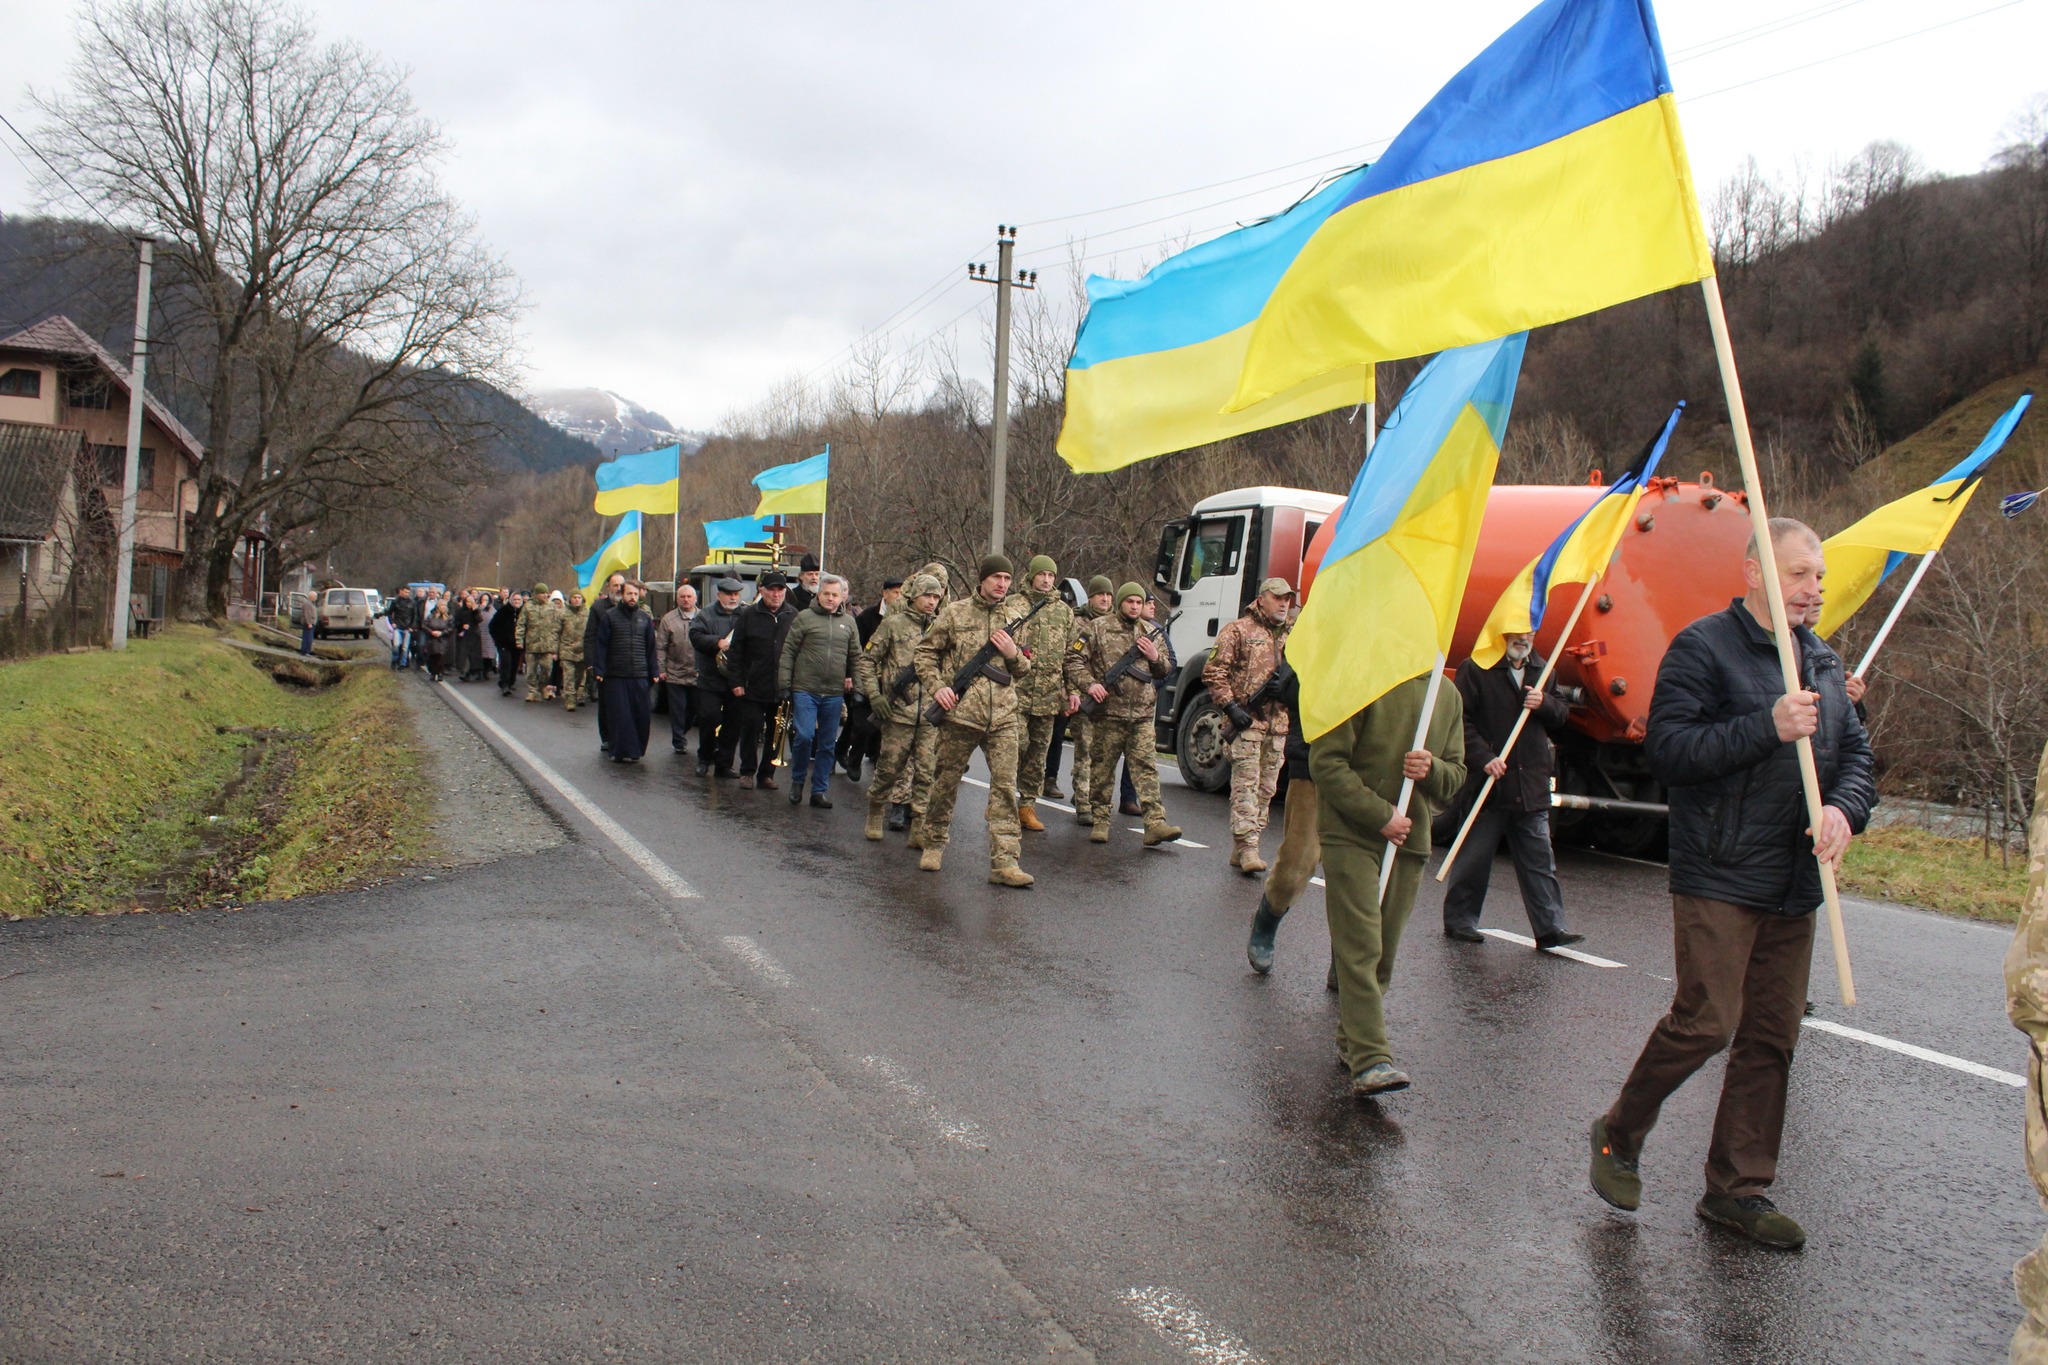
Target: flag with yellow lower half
(794, 488)
(1385, 598)
(1860, 557)
(1159, 357)
(621, 550)
(1547, 179)
(647, 482)
(1580, 554)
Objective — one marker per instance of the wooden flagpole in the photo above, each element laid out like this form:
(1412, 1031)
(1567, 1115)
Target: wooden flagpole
(1436, 685)
(1549, 667)
(1752, 482)
(1898, 608)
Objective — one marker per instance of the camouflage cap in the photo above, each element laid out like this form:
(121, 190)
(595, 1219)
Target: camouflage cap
(1278, 586)
(924, 583)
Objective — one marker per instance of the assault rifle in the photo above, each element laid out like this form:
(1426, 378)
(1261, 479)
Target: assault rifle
(906, 678)
(1241, 716)
(1132, 657)
(983, 664)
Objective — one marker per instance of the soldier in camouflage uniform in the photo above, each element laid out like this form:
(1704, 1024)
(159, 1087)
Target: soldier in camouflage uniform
(984, 717)
(1100, 602)
(1247, 654)
(2026, 1004)
(1122, 723)
(539, 636)
(1042, 695)
(574, 617)
(909, 742)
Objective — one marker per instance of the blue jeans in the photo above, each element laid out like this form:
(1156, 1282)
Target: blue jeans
(814, 730)
(306, 638)
(401, 647)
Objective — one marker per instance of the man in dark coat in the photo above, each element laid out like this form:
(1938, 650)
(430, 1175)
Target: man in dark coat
(805, 590)
(626, 662)
(403, 614)
(1518, 807)
(614, 584)
(1745, 878)
(751, 662)
(504, 634)
(711, 632)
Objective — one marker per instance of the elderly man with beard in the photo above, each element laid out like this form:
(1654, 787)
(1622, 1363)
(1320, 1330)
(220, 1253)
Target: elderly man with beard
(627, 660)
(1518, 807)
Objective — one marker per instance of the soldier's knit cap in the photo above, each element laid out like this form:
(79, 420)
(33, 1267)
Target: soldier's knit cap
(540, 590)
(924, 583)
(1042, 564)
(1098, 585)
(1127, 591)
(994, 564)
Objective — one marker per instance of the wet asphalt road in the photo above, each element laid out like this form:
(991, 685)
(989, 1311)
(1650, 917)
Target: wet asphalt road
(896, 1115)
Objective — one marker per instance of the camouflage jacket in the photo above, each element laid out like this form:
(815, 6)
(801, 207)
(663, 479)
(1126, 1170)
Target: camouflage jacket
(1247, 651)
(540, 628)
(889, 650)
(569, 644)
(1043, 691)
(1096, 649)
(957, 632)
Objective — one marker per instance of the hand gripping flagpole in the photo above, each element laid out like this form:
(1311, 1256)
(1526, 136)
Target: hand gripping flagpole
(1436, 685)
(1767, 554)
(1549, 667)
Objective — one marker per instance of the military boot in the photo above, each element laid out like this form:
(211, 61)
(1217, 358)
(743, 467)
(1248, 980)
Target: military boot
(932, 859)
(1027, 816)
(1258, 950)
(1160, 833)
(1083, 818)
(1099, 832)
(877, 811)
(1244, 855)
(1012, 875)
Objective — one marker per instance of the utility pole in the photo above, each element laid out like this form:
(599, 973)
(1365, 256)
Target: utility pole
(999, 439)
(124, 558)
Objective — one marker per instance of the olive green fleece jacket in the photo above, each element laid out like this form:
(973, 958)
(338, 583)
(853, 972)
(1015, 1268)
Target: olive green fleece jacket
(1357, 766)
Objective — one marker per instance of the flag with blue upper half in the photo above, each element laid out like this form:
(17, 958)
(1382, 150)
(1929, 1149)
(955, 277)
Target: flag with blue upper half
(1385, 598)
(734, 533)
(1863, 556)
(794, 488)
(1545, 180)
(1159, 357)
(621, 550)
(1580, 554)
(647, 482)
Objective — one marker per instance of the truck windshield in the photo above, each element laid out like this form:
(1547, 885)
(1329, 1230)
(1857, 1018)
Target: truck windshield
(1213, 549)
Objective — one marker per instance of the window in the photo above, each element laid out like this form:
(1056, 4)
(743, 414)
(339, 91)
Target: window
(1213, 548)
(88, 390)
(112, 463)
(21, 383)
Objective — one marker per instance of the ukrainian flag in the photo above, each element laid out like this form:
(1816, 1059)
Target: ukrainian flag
(1546, 180)
(1862, 556)
(794, 488)
(1385, 599)
(734, 533)
(1580, 553)
(1158, 357)
(621, 550)
(647, 482)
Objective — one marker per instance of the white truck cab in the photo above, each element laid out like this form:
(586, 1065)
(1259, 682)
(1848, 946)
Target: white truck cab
(1209, 568)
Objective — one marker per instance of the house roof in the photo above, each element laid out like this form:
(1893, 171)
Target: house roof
(34, 463)
(59, 335)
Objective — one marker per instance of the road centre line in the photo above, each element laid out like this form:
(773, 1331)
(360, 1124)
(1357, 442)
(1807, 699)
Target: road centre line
(952, 1129)
(643, 857)
(1186, 1326)
(1572, 953)
(1977, 1069)
(751, 953)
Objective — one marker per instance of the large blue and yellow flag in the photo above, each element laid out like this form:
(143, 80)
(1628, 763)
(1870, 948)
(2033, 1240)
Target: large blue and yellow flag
(647, 482)
(1546, 180)
(1385, 598)
(1580, 553)
(734, 533)
(621, 550)
(1862, 556)
(794, 488)
(1159, 357)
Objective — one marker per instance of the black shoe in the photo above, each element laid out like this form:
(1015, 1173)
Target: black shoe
(1464, 935)
(796, 794)
(1559, 940)
(1258, 950)
(1755, 1217)
(899, 816)
(853, 771)
(819, 801)
(703, 770)
(723, 772)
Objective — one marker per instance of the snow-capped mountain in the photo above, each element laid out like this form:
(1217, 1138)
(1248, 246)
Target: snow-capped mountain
(611, 422)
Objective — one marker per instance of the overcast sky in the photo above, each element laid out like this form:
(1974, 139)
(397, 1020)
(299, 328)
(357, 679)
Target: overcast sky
(704, 199)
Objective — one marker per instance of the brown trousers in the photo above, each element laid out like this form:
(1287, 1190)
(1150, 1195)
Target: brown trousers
(1741, 974)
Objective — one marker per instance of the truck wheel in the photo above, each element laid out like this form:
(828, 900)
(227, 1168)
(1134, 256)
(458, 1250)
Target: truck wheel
(1199, 748)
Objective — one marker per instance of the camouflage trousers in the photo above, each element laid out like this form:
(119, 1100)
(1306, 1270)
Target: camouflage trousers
(1079, 727)
(1256, 757)
(1036, 743)
(903, 769)
(1133, 741)
(540, 672)
(957, 744)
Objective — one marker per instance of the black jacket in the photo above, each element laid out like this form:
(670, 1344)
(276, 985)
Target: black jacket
(403, 612)
(707, 628)
(1492, 702)
(756, 650)
(505, 627)
(867, 623)
(590, 618)
(1738, 812)
(1297, 739)
(625, 643)
(799, 597)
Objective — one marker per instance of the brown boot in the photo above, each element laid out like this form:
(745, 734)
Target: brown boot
(915, 839)
(1245, 855)
(1010, 876)
(1161, 833)
(1027, 816)
(877, 812)
(931, 860)
(1098, 833)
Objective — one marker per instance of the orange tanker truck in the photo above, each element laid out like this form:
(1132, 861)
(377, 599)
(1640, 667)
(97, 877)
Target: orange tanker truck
(1680, 560)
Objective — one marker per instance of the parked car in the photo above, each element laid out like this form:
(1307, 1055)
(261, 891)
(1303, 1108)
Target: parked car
(344, 611)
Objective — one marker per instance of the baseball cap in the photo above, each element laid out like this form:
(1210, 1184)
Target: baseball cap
(1278, 586)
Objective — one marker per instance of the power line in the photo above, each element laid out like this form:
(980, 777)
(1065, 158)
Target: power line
(94, 208)
(1853, 52)
(1213, 185)
(1709, 46)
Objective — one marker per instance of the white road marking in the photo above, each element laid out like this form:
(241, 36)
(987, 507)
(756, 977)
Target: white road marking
(1186, 1326)
(644, 857)
(1183, 842)
(765, 967)
(950, 1128)
(1572, 953)
(1977, 1069)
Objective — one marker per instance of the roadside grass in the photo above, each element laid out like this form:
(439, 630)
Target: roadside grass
(1915, 867)
(125, 782)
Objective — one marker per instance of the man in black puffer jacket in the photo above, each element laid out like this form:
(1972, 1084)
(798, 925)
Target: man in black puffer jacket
(1744, 878)
(627, 662)
(751, 662)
